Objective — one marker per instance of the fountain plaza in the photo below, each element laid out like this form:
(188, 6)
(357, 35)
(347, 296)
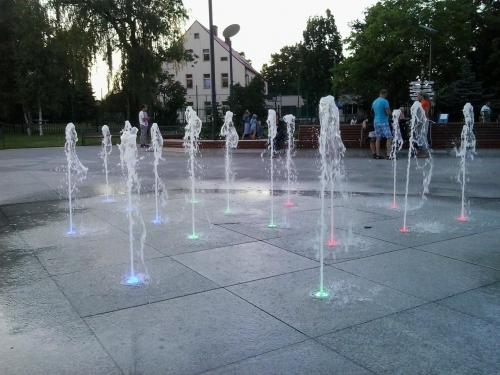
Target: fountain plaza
(237, 300)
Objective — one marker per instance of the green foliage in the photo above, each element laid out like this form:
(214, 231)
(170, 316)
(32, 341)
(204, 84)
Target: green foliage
(144, 31)
(388, 49)
(250, 97)
(173, 97)
(308, 67)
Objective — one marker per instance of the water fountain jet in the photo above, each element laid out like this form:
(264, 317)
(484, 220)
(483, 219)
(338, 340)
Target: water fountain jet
(231, 135)
(467, 148)
(74, 166)
(272, 131)
(191, 146)
(397, 145)
(107, 147)
(160, 190)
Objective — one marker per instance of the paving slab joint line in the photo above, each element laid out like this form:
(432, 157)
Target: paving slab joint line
(147, 303)
(455, 259)
(271, 315)
(435, 302)
(82, 319)
(345, 356)
(378, 282)
(252, 356)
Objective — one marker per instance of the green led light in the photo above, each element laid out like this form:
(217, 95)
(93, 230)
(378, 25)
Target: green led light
(227, 211)
(320, 294)
(193, 236)
(272, 225)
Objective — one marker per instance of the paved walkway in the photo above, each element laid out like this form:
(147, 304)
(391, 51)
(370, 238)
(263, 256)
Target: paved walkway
(237, 301)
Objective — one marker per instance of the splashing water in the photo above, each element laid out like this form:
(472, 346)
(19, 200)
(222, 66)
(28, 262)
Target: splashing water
(331, 151)
(128, 160)
(229, 132)
(467, 148)
(191, 146)
(397, 145)
(107, 147)
(160, 190)
(272, 131)
(290, 166)
(418, 136)
(74, 166)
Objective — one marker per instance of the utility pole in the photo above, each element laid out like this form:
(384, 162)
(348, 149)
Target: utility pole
(215, 114)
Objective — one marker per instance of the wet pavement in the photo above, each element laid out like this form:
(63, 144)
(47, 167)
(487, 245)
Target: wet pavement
(237, 300)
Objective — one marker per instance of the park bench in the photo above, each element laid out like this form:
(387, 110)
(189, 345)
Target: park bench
(87, 134)
(352, 136)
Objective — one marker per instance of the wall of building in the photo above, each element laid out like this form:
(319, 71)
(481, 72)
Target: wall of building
(197, 39)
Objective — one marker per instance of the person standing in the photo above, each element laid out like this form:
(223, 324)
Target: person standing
(486, 112)
(143, 122)
(246, 124)
(381, 111)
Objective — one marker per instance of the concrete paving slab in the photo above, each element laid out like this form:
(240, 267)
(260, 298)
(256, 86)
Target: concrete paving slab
(421, 274)
(41, 334)
(429, 339)
(349, 246)
(482, 303)
(482, 249)
(190, 334)
(20, 267)
(98, 291)
(307, 357)
(90, 255)
(353, 300)
(245, 262)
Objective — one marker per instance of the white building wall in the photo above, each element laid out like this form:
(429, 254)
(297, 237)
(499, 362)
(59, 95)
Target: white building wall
(198, 95)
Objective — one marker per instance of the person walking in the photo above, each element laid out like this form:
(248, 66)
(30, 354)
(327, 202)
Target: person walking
(143, 123)
(246, 124)
(486, 112)
(381, 111)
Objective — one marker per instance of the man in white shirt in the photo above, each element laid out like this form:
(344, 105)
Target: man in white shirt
(486, 112)
(143, 122)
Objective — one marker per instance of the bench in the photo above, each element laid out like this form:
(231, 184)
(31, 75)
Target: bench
(352, 136)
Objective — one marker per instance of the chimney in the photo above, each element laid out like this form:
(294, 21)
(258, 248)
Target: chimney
(215, 30)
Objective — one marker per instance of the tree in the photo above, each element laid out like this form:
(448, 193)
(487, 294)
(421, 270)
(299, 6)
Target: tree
(173, 98)
(282, 74)
(321, 52)
(143, 31)
(388, 49)
(307, 68)
(250, 97)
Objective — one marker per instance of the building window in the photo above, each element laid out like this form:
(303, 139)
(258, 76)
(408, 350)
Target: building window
(189, 81)
(224, 80)
(247, 79)
(206, 55)
(223, 58)
(206, 81)
(197, 35)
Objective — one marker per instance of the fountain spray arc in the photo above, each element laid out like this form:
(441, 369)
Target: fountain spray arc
(467, 148)
(191, 146)
(128, 162)
(107, 147)
(289, 164)
(160, 189)
(229, 132)
(331, 152)
(76, 171)
(271, 134)
(397, 145)
(418, 137)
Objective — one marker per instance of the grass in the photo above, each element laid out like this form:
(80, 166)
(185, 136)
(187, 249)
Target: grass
(35, 141)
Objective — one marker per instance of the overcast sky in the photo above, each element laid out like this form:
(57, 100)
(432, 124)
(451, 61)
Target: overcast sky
(266, 25)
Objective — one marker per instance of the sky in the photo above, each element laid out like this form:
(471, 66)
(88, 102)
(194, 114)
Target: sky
(266, 25)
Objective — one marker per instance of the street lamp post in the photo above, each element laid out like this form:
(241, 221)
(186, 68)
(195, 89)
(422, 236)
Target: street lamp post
(431, 31)
(228, 33)
(212, 69)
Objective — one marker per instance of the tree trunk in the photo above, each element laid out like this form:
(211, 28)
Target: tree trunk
(40, 129)
(27, 120)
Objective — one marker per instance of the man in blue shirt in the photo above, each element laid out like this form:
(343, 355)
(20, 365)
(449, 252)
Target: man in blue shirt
(381, 111)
